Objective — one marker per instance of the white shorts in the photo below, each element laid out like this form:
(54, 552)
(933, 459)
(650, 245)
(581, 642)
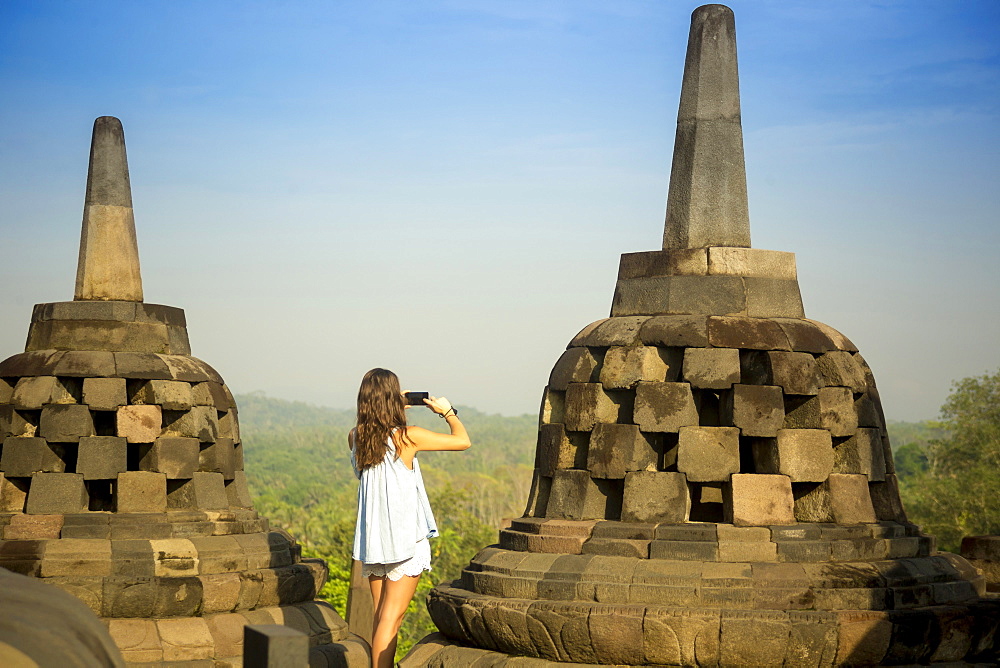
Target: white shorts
(415, 565)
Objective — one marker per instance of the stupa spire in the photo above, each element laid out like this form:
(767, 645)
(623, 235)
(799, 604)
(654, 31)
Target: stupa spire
(108, 268)
(707, 201)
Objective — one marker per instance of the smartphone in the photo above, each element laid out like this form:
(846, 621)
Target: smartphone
(416, 398)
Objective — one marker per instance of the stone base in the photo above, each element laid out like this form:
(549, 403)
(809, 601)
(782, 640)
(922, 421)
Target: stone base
(634, 635)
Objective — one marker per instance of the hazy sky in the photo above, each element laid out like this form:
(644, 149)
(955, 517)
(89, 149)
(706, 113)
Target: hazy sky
(444, 188)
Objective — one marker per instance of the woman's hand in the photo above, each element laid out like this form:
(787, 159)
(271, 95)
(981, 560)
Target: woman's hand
(439, 405)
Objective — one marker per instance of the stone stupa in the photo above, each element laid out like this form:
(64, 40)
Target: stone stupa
(714, 483)
(121, 470)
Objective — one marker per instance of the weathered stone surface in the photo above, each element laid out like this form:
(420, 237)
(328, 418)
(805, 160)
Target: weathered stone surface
(582, 338)
(31, 363)
(576, 365)
(13, 423)
(34, 392)
(757, 410)
(773, 297)
(678, 331)
(22, 456)
(177, 457)
(140, 365)
(753, 639)
(862, 453)
(77, 557)
(33, 527)
(558, 450)
(219, 457)
(53, 493)
(86, 363)
(850, 499)
(229, 425)
(618, 331)
(13, 493)
(832, 408)
(237, 492)
(169, 394)
(204, 491)
(681, 637)
(102, 457)
(708, 454)
(794, 372)
(616, 449)
(138, 639)
(104, 394)
(804, 455)
(656, 496)
(587, 404)
(141, 492)
(885, 499)
(624, 366)
(6, 391)
(804, 336)
(707, 295)
(185, 639)
(741, 332)
(759, 500)
(65, 423)
(839, 368)
(664, 407)
(712, 368)
(139, 424)
(575, 496)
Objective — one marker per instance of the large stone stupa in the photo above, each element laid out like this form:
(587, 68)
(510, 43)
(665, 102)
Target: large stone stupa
(121, 470)
(714, 483)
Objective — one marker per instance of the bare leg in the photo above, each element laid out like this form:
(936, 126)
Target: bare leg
(395, 596)
(376, 584)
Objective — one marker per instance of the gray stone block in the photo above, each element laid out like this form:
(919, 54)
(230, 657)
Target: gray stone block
(171, 395)
(237, 491)
(65, 423)
(574, 495)
(221, 397)
(31, 363)
(94, 335)
(159, 313)
(13, 423)
(886, 501)
(616, 331)
(199, 422)
(664, 407)
(812, 502)
(711, 368)
(706, 295)
(104, 394)
(757, 410)
(616, 449)
(86, 363)
(773, 298)
(708, 454)
(6, 391)
(839, 368)
(176, 457)
(575, 365)
(584, 334)
(675, 331)
(204, 491)
(794, 372)
(141, 365)
(24, 456)
(804, 455)
(862, 453)
(747, 333)
(274, 646)
(656, 496)
(538, 495)
(34, 392)
(624, 366)
(587, 404)
(218, 457)
(102, 457)
(13, 493)
(229, 425)
(850, 499)
(139, 424)
(754, 499)
(552, 410)
(804, 336)
(177, 341)
(558, 449)
(141, 492)
(56, 493)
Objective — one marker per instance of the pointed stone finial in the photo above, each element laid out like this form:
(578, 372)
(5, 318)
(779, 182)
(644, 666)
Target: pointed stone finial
(707, 202)
(108, 269)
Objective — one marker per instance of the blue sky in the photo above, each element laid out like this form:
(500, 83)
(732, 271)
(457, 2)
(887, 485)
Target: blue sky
(444, 188)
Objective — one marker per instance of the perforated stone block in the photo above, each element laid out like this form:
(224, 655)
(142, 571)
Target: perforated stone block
(794, 372)
(711, 368)
(862, 453)
(23, 456)
(169, 394)
(575, 496)
(624, 366)
(804, 455)
(204, 491)
(556, 449)
(832, 408)
(656, 496)
(552, 408)
(13, 423)
(664, 407)
(850, 499)
(219, 457)
(139, 424)
(177, 457)
(34, 392)
(758, 410)
(6, 391)
(104, 394)
(199, 422)
(102, 457)
(237, 492)
(587, 404)
(55, 493)
(616, 449)
(754, 499)
(839, 368)
(141, 492)
(229, 425)
(13, 493)
(708, 454)
(65, 423)
(576, 365)
(885, 499)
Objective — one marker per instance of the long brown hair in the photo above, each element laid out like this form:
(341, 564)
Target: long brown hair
(381, 416)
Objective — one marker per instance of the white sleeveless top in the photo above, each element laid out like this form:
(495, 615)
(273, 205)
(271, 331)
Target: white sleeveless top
(393, 510)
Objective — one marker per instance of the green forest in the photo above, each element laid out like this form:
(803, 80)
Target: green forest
(299, 470)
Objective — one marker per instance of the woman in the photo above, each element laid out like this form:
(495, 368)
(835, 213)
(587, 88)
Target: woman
(394, 515)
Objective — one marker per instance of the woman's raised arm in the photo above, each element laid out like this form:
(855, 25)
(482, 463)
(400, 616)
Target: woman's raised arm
(425, 439)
